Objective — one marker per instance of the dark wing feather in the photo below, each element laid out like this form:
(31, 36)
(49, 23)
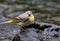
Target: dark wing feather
(20, 20)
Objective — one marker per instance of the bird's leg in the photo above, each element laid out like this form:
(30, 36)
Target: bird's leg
(24, 29)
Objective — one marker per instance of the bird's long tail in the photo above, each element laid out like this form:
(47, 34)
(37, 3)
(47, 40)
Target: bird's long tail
(9, 21)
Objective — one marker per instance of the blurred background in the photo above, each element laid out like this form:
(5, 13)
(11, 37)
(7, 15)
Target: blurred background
(44, 10)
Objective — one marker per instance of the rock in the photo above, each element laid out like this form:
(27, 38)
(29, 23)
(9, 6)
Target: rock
(8, 31)
(35, 33)
(16, 38)
(37, 26)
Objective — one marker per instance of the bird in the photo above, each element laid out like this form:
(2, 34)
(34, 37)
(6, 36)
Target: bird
(23, 19)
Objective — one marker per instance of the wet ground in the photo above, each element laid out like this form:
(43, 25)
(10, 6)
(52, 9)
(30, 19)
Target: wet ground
(47, 32)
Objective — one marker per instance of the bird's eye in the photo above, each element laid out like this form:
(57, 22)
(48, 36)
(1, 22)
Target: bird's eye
(29, 15)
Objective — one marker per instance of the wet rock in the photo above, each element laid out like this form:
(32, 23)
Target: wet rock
(45, 26)
(29, 36)
(37, 26)
(12, 32)
(36, 34)
(8, 31)
(56, 29)
(56, 35)
(16, 38)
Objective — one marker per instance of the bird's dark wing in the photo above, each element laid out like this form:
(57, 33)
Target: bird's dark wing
(20, 19)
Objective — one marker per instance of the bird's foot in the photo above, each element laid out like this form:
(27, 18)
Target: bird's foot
(24, 30)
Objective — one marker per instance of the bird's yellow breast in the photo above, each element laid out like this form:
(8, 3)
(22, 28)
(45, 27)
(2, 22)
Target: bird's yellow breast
(31, 19)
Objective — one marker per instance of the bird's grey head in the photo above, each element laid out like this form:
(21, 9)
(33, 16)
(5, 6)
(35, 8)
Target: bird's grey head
(29, 13)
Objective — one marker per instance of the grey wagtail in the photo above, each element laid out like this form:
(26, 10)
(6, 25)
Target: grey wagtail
(23, 20)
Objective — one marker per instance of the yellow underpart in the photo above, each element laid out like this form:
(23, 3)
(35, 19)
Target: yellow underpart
(31, 18)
